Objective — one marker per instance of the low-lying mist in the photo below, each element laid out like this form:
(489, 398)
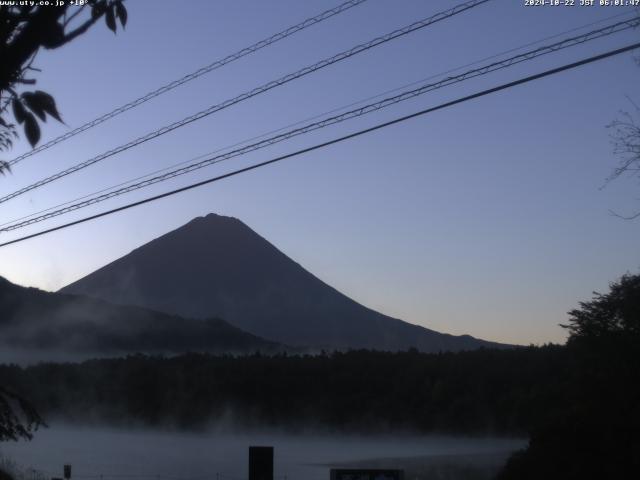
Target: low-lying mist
(38, 325)
(108, 453)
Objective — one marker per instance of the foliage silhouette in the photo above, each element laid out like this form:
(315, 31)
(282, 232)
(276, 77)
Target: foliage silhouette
(595, 432)
(18, 418)
(25, 28)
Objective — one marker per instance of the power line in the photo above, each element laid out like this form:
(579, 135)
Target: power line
(495, 66)
(256, 91)
(193, 75)
(314, 117)
(379, 126)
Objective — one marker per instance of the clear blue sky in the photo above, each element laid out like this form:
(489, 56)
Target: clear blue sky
(485, 218)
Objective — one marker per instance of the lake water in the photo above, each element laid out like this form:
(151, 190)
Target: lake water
(110, 454)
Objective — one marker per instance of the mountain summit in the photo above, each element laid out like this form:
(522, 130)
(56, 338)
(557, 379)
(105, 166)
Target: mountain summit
(216, 266)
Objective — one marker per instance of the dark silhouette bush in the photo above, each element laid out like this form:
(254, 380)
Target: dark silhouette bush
(595, 431)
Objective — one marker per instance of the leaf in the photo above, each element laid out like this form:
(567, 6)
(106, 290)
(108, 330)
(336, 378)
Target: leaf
(6, 141)
(4, 167)
(18, 110)
(110, 18)
(31, 100)
(48, 104)
(31, 129)
(97, 9)
(52, 35)
(121, 12)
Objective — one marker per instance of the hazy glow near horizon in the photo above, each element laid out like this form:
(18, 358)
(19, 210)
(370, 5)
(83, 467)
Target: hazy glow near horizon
(485, 218)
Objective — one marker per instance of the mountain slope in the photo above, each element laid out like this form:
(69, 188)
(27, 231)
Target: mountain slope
(34, 319)
(218, 266)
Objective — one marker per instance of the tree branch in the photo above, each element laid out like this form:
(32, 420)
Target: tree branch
(71, 17)
(631, 217)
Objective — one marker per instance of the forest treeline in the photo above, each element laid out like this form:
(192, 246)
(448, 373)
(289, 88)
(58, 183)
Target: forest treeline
(482, 391)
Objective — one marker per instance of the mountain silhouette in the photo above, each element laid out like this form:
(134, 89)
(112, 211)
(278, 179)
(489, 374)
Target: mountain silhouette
(35, 319)
(217, 266)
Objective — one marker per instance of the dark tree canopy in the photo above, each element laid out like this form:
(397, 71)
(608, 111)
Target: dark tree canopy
(24, 30)
(471, 392)
(613, 313)
(18, 418)
(595, 429)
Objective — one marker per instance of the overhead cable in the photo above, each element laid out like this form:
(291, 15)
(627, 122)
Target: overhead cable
(372, 107)
(252, 93)
(482, 93)
(192, 76)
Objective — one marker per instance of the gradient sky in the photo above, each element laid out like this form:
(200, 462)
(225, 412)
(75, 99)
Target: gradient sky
(486, 218)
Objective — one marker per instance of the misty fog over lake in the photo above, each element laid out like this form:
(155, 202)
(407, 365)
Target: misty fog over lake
(111, 453)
